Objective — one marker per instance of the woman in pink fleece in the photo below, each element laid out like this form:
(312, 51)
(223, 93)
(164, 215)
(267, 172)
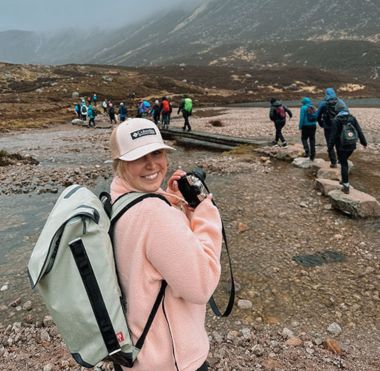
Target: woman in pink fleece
(155, 242)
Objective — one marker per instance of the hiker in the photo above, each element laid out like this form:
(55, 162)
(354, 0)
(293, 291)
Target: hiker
(155, 112)
(94, 99)
(91, 116)
(186, 106)
(83, 111)
(77, 109)
(277, 114)
(308, 127)
(326, 114)
(111, 112)
(122, 112)
(165, 109)
(105, 106)
(146, 254)
(345, 132)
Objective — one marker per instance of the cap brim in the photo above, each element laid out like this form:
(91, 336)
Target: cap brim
(142, 151)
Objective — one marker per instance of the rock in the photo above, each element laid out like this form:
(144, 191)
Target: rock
(357, 204)
(244, 304)
(48, 321)
(246, 333)
(44, 335)
(303, 204)
(4, 288)
(232, 335)
(27, 305)
(286, 333)
(78, 122)
(217, 337)
(48, 367)
(294, 342)
(242, 227)
(258, 350)
(326, 185)
(332, 345)
(15, 302)
(302, 162)
(328, 173)
(334, 329)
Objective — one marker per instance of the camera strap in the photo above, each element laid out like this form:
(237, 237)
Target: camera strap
(231, 299)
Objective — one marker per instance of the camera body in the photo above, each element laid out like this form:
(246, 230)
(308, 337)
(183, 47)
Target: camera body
(193, 188)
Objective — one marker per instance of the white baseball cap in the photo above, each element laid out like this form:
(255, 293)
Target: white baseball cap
(136, 138)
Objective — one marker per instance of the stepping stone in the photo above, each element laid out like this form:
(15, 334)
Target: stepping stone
(357, 204)
(326, 185)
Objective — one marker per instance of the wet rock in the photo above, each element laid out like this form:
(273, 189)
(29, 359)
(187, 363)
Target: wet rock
(326, 185)
(334, 329)
(357, 204)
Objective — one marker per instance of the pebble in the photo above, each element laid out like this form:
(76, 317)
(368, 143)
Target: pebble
(286, 333)
(245, 304)
(48, 367)
(48, 321)
(4, 288)
(27, 305)
(258, 350)
(334, 329)
(294, 342)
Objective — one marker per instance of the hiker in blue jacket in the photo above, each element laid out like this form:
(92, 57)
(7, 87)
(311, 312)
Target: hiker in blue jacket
(122, 112)
(308, 128)
(325, 115)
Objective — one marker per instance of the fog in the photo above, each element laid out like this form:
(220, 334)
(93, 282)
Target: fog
(51, 15)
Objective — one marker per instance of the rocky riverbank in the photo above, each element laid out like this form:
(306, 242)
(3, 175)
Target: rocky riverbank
(287, 316)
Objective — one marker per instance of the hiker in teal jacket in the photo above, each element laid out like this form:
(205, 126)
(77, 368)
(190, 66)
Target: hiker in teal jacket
(308, 129)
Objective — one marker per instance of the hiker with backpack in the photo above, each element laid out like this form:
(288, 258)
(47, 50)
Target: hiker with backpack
(155, 112)
(345, 132)
(158, 240)
(83, 111)
(326, 114)
(186, 107)
(308, 127)
(165, 109)
(111, 112)
(277, 114)
(91, 113)
(122, 112)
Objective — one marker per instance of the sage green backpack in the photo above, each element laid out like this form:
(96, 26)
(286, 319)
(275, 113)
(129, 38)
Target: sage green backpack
(73, 267)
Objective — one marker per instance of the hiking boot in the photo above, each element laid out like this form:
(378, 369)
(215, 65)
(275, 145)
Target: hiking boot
(183, 128)
(333, 166)
(189, 129)
(346, 189)
(312, 158)
(284, 144)
(274, 143)
(305, 154)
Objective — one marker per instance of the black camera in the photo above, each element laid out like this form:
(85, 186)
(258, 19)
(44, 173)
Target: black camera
(193, 187)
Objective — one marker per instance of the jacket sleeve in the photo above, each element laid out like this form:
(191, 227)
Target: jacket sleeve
(187, 255)
(288, 111)
(302, 117)
(321, 110)
(363, 140)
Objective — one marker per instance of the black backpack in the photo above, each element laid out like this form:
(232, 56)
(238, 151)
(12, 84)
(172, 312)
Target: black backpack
(330, 112)
(349, 135)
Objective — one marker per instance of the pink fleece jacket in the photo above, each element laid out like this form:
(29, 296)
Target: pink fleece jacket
(155, 241)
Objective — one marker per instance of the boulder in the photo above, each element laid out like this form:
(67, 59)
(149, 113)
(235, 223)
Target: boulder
(288, 154)
(78, 122)
(326, 185)
(357, 204)
(306, 163)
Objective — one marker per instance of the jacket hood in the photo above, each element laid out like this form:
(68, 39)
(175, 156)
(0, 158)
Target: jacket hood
(330, 93)
(306, 101)
(277, 103)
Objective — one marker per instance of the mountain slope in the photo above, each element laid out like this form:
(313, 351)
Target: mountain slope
(257, 33)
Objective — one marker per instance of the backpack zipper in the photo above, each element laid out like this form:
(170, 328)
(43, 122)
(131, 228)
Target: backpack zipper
(171, 335)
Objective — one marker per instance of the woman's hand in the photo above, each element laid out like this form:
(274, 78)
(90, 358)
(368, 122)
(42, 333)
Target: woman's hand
(173, 181)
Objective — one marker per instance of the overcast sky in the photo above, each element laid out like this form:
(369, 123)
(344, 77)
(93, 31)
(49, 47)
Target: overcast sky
(41, 15)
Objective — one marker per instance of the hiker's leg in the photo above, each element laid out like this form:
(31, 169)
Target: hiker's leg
(343, 157)
(282, 124)
(278, 131)
(304, 138)
(332, 154)
(313, 129)
(204, 367)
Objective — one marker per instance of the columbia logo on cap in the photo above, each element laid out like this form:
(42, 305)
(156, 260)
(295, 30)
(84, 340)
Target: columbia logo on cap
(142, 133)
